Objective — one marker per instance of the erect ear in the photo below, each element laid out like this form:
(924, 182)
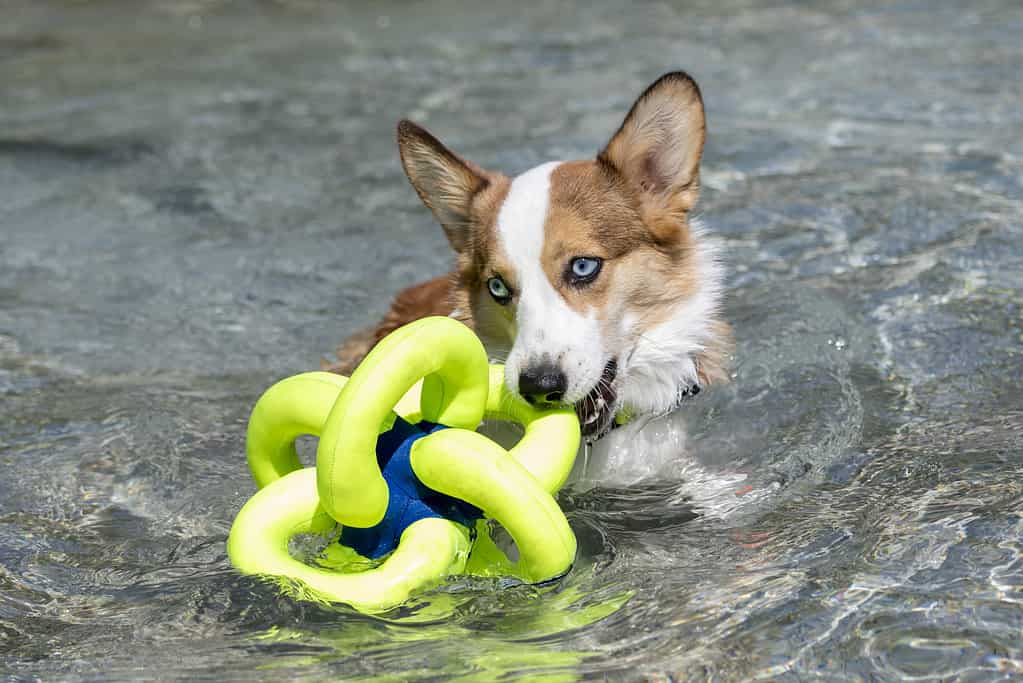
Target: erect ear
(444, 181)
(658, 146)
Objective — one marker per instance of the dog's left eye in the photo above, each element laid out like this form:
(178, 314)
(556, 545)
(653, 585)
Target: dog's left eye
(584, 269)
(499, 290)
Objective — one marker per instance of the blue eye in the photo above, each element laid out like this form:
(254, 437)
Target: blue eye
(584, 269)
(499, 290)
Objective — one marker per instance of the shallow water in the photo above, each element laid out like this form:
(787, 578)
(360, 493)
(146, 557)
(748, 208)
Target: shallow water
(198, 198)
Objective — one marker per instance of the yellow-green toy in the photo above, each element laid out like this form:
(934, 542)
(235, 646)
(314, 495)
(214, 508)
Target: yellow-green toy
(454, 472)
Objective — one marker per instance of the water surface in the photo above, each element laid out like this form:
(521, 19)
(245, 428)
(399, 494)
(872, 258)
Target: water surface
(198, 198)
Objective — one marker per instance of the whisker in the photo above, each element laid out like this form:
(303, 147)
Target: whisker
(506, 402)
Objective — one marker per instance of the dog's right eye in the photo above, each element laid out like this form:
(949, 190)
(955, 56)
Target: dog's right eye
(499, 290)
(583, 270)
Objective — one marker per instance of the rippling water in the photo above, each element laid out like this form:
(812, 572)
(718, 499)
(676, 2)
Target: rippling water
(198, 198)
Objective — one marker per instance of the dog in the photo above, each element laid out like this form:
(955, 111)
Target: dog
(590, 279)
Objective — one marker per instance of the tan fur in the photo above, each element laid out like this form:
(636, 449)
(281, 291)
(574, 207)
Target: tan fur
(594, 212)
(666, 182)
(712, 362)
(445, 182)
(475, 264)
(645, 151)
(630, 207)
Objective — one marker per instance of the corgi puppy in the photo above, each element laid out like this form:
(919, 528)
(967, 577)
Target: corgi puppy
(589, 279)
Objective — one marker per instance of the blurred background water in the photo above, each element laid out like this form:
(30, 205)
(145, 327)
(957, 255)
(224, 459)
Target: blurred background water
(200, 197)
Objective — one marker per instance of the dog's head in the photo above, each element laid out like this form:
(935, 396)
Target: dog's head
(589, 278)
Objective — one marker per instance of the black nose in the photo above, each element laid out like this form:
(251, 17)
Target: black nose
(544, 383)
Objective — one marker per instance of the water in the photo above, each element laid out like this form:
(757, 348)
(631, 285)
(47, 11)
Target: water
(198, 198)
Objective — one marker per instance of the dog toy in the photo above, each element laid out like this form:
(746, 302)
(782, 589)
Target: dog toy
(401, 469)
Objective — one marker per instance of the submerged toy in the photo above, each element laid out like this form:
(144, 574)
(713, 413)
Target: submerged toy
(415, 485)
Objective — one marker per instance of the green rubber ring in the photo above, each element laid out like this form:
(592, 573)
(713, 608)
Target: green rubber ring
(514, 487)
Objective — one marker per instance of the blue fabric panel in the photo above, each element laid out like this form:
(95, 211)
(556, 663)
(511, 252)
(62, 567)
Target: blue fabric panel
(409, 499)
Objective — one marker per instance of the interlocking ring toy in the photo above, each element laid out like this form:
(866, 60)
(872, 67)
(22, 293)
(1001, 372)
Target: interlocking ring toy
(401, 468)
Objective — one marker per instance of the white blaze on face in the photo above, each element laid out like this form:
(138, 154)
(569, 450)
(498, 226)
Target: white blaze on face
(548, 330)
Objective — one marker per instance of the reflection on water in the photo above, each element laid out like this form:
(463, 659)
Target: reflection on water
(197, 198)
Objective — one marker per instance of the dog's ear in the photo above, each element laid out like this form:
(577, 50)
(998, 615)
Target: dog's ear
(658, 146)
(444, 181)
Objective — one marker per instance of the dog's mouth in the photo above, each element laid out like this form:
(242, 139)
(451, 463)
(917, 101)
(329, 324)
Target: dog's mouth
(596, 410)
